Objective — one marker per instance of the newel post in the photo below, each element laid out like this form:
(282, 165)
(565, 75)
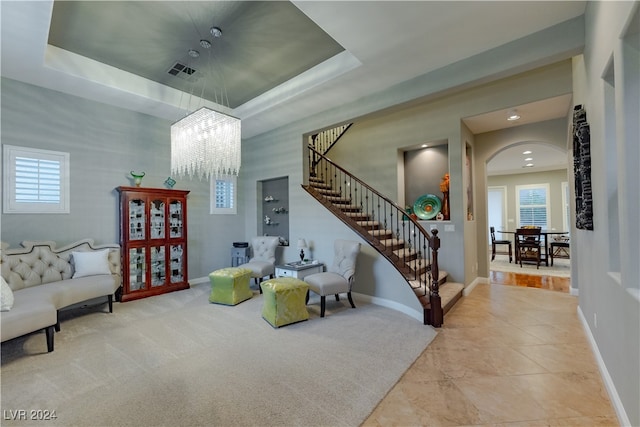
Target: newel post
(434, 295)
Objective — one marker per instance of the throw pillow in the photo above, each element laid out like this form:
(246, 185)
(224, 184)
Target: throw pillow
(91, 263)
(6, 296)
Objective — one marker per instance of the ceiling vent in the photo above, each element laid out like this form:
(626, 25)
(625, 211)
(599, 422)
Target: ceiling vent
(181, 70)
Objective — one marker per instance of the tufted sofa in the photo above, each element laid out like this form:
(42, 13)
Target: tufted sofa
(43, 280)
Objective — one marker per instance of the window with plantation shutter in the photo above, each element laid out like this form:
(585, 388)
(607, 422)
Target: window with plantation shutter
(223, 195)
(35, 181)
(533, 205)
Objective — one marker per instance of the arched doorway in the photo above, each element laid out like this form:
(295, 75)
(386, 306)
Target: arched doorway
(527, 183)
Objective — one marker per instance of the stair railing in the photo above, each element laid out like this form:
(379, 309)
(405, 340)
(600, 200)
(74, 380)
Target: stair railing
(323, 141)
(398, 237)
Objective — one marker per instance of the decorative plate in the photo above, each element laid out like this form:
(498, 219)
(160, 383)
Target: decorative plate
(427, 206)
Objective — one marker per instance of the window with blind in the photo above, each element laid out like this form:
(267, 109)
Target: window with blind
(532, 202)
(35, 180)
(223, 195)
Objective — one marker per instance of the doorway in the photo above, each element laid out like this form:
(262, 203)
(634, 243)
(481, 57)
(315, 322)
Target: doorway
(497, 208)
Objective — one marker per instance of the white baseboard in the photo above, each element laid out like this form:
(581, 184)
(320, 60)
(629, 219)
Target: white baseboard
(478, 280)
(391, 304)
(574, 291)
(608, 382)
(199, 280)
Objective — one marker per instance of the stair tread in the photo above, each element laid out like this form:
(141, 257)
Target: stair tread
(442, 276)
(328, 192)
(338, 199)
(405, 252)
(381, 232)
(354, 215)
(448, 291)
(394, 241)
(390, 244)
(368, 223)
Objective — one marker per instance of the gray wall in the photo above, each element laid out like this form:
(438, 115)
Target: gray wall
(609, 301)
(105, 143)
(423, 170)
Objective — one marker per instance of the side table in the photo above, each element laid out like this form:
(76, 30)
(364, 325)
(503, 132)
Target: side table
(239, 256)
(299, 270)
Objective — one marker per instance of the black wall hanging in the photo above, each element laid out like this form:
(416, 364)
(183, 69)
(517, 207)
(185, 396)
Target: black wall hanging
(582, 169)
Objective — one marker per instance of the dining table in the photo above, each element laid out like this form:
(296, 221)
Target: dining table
(545, 234)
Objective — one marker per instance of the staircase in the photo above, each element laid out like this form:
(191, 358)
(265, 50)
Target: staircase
(390, 230)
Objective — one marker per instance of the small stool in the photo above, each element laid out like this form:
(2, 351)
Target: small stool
(230, 286)
(284, 301)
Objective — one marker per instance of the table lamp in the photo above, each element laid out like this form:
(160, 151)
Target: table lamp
(301, 245)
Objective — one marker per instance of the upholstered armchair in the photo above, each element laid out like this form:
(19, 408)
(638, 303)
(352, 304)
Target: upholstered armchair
(263, 261)
(340, 276)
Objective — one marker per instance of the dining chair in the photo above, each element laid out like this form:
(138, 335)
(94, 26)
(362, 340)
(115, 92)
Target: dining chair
(559, 248)
(528, 245)
(495, 242)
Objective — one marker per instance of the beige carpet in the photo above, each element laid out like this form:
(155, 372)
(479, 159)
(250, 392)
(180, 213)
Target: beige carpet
(561, 267)
(176, 360)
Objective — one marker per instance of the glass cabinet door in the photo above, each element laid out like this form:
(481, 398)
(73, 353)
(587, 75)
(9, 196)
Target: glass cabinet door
(136, 219)
(175, 218)
(177, 264)
(158, 266)
(137, 269)
(156, 219)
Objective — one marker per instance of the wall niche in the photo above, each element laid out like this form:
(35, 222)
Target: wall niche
(274, 213)
(424, 169)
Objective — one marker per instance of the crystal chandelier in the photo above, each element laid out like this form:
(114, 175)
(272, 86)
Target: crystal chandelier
(205, 143)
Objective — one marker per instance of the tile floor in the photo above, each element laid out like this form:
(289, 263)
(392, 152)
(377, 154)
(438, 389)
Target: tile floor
(506, 356)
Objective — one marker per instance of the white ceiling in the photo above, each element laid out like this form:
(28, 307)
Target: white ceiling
(385, 42)
(512, 160)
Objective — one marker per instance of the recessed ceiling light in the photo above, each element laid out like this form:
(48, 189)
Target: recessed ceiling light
(513, 115)
(424, 146)
(527, 152)
(528, 165)
(216, 32)
(205, 43)
(193, 53)
(528, 159)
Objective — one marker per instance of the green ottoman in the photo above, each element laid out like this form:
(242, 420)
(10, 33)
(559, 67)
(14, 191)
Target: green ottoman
(284, 301)
(230, 286)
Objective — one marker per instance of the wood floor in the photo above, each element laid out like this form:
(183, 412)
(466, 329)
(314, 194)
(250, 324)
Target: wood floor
(561, 284)
(507, 355)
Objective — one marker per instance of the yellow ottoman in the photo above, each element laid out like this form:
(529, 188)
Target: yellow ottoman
(284, 301)
(230, 286)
